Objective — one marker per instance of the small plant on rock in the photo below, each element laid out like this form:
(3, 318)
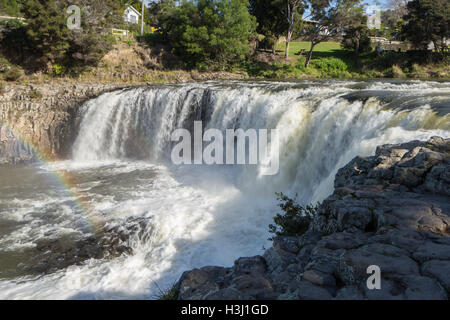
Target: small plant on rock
(170, 293)
(295, 219)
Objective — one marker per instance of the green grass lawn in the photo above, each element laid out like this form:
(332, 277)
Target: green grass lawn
(323, 48)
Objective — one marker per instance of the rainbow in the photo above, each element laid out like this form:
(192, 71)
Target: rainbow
(64, 179)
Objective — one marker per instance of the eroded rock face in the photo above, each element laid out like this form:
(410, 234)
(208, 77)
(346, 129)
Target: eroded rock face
(39, 119)
(391, 210)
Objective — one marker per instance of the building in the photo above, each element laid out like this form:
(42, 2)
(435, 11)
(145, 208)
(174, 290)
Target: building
(131, 15)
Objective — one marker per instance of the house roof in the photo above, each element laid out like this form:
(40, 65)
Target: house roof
(133, 9)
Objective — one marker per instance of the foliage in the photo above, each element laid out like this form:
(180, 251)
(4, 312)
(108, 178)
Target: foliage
(59, 69)
(168, 294)
(428, 21)
(268, 42)
(294, 220)
(330, 66)
(2, 87)
(357, 34)
(45, 39)
(391, 25)
(330, 18)
(46, 30)
(277, 17)
(357, 39)
(209, 33)
(9, 7)
(271, 22)
(14, 42)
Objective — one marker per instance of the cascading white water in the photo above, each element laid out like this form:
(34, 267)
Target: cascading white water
(320, 129)
(204, 215)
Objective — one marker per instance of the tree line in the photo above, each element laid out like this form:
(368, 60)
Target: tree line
(215, 34)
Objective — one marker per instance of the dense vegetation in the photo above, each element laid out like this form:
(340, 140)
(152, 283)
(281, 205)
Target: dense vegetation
(249, 36)
(44, 42)
(209, 33)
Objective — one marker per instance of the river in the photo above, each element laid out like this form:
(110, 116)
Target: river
(172, 218)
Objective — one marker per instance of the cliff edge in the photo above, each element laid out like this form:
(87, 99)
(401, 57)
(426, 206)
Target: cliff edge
(40, 118)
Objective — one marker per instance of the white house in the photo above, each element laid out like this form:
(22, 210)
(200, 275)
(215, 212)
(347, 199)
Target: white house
(131, 15)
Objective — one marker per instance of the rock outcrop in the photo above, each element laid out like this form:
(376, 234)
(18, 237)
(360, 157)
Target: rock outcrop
(40, 118)
(391, 210)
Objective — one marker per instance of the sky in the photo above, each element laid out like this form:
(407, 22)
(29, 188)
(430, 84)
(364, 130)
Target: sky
(381, 3)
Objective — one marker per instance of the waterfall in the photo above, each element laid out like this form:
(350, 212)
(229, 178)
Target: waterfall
(321, 124)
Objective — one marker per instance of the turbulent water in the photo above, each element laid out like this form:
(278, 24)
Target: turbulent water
(181, 217)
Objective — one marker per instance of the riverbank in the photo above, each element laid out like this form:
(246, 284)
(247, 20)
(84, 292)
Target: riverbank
(389, 210)
(139, 63)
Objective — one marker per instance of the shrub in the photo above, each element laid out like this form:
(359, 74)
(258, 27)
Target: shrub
(295, 219)
(330, 66)
(13, 74)
(2, 87)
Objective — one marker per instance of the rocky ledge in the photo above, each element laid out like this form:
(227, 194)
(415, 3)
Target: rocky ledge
(391, 210)
(40, 118)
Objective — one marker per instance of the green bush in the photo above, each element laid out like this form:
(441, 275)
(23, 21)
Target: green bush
(13, 74)
(331, 66)
(295, 219)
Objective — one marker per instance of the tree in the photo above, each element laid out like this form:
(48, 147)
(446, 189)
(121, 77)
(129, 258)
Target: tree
(328, 19)
(428, 21)
(278, 17)
(207, 33)
(271, 22)
(45, 39)
(391, 25)
(356, 33)
(292, 11)
(46, 28)
(398, 8)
